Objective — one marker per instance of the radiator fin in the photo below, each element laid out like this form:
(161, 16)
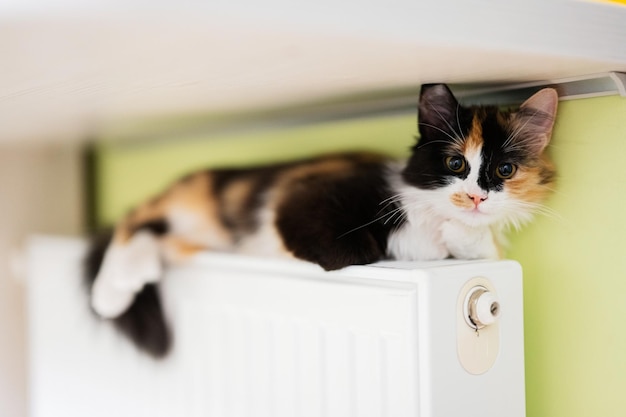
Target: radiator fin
(251, 364)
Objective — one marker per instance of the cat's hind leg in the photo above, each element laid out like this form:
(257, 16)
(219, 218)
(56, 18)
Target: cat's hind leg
(170, 228)
(125, 269)
(133, 308)
(124, 285)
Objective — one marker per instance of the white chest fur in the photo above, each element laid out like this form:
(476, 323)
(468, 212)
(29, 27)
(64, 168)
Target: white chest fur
(436, 238)
(418, 241)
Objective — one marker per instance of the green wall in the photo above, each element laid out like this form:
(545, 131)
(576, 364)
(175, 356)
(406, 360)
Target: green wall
(574, 261)
(575, 270)
(128, 173)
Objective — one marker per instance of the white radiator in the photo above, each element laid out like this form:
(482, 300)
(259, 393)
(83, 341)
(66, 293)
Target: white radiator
(266, 338)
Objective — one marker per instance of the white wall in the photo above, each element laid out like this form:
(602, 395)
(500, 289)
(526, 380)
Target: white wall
(39, 193)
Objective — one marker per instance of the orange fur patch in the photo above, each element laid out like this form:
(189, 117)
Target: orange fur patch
(474, 139)
(529, 183)
(178, 250)
(461, 200)
(234, 196)
(325, 167)
(190, 197)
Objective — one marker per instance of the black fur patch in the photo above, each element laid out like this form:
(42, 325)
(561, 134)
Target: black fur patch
(95, 255)
(494, 136)
(144, 322)
(158, 227)
(441, 120)
(341, 220)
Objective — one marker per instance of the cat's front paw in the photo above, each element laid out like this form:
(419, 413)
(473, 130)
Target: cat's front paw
(465, 242)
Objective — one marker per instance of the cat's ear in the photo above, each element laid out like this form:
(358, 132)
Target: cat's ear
(534, 121)
(437, 109)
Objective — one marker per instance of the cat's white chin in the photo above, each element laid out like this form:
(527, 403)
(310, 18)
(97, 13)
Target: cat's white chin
(476, 218)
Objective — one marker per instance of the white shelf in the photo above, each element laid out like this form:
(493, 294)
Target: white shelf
(66, 73)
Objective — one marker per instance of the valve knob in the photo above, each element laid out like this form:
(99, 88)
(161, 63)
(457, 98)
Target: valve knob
(482, 307)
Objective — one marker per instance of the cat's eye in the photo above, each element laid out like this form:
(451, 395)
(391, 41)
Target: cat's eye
(506, 170)
(455, 164)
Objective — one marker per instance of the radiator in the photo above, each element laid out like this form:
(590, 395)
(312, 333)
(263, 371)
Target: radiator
(269, 338)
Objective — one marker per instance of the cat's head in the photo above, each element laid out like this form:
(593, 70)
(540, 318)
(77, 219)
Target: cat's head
(482, 165)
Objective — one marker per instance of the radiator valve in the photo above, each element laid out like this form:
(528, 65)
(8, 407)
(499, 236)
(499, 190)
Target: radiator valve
(481, 307)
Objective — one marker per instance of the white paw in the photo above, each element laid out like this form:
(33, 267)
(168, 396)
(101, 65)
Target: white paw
(465, 242)
(124, 272)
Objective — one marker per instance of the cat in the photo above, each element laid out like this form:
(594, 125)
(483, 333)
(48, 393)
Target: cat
(473, 172)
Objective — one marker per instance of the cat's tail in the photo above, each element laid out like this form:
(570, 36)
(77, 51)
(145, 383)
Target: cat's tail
(144, 321)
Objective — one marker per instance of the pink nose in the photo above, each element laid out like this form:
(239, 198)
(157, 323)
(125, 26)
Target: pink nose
(477, 199)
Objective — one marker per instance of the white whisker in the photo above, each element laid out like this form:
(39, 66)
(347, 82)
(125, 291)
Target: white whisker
(456, 139)
(514, 135)
(395, 212)
(458, 123)
(390, 213)
(443, 119)
(520, 212)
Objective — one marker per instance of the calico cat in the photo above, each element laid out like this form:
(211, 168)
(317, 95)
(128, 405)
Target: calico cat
(473, 172)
